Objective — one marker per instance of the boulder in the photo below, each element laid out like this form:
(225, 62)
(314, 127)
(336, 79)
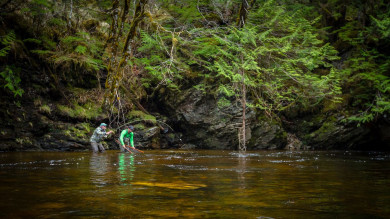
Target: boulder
(209, 126)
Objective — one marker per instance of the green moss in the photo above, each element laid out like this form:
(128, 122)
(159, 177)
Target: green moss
(78, 132)
(81, 130)
(38, 102)
(139, 126)
(139, 115)
(24, 140)
(65, 110)
(86, 111)
(84, 126)
(171, 135)
(68, 133)
(136, 114)
(281, 135)
(327, 127)
(45, 109)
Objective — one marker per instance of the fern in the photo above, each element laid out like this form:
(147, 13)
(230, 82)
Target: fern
(81, 49)
(7, 42)
(11, 76)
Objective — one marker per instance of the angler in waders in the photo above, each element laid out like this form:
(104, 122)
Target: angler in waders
(127, 134)
(97, 137)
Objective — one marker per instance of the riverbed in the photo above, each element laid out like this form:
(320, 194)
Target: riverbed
(195, 184)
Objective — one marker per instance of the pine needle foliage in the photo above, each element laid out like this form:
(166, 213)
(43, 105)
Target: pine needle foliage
(280, 59)
(286, 55)
(366, 71)
(158, 59)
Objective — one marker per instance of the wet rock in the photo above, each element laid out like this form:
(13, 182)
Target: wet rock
(188, 146)
(267, 134)
(148, 138)
(293, 143)
(206, 125)
(6, 134)
(331, 132)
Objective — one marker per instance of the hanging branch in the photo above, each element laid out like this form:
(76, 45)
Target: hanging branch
(242, 133)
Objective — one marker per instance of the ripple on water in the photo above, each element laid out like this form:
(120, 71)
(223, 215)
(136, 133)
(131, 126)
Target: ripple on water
(203, 168)
(238, 154)
(287, 161)
(187, 167)
(280, 161)
(172, 157)
(31, 164)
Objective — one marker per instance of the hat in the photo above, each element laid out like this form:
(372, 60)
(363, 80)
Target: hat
(103, 124)
(131, 127)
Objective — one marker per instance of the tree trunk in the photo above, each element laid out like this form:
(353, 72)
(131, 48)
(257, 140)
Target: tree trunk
(116, 68)
(243, 13)
(242, 134)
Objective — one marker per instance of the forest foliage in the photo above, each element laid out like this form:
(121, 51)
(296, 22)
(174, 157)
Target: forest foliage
(290, 55)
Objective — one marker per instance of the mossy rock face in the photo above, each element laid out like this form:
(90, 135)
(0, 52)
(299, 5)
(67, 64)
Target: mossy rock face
(327, 129)
(26, 141)
(331, 133)
(89, 111)
(66, 137)
(155, 143)
(139, 126)
(139, 116)
(267, 134)
(207, 125)
(81, 131)
(6, 134)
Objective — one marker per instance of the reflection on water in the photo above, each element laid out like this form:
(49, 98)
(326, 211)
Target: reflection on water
(126, 167)
(195, 184)
(99, 168)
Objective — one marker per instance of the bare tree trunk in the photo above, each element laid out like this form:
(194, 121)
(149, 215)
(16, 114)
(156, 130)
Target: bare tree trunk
(243, 103)
(70, 14)
(243, 13)
(138, 16)
(115, 69)
(253, 3)
(242, 134)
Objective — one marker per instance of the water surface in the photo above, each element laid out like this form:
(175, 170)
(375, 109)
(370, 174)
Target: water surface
(195, 184)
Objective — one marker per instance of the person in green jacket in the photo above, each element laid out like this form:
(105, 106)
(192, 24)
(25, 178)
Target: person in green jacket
(126, 134)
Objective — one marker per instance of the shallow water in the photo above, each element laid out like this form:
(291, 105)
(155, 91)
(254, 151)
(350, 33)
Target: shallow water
(195, 184)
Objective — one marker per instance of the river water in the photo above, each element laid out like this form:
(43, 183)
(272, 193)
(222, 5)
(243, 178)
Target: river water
(195, 184)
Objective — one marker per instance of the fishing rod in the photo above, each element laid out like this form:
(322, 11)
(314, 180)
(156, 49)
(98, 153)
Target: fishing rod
(128, 150)
(133, 148)
(151, 120)
(136, 149)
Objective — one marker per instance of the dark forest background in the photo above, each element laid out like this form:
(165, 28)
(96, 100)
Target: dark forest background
(297, 74)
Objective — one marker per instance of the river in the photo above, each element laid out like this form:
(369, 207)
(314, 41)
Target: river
(195, 184)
